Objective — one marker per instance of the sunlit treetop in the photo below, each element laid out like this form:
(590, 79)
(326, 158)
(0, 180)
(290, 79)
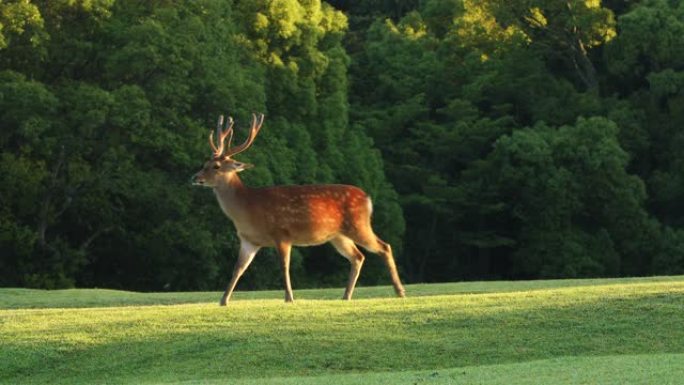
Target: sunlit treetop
(17, 18)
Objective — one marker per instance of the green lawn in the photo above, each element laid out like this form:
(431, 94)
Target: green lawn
(559, 332)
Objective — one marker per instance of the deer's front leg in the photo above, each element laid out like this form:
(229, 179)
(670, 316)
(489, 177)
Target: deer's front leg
(247, 253)
(284, 250)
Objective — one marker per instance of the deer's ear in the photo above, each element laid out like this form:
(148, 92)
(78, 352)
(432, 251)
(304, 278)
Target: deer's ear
(239, 166)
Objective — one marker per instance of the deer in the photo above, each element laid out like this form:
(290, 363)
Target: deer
(289, 215)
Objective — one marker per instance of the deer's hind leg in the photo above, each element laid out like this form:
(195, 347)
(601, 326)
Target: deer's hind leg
(369, 241)
(348, 249)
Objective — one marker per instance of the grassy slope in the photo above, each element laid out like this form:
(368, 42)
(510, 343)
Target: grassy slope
(661, 369)
(436, 335)
(30, 298)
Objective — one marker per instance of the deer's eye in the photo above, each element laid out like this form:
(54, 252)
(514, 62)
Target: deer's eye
(217, 166)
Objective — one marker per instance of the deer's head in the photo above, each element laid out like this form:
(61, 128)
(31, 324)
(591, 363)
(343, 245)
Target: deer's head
(222, 165)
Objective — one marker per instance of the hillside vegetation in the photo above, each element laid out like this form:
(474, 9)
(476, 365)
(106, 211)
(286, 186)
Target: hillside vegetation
(499, 140)
(566, 332)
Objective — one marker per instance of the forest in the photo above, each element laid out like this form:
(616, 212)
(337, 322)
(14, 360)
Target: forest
(499, 139)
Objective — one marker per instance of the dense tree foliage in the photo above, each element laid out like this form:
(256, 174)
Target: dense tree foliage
(498, 139)
(105, 107)
(529, 138)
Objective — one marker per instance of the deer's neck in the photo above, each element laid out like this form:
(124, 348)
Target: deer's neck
(231, 194)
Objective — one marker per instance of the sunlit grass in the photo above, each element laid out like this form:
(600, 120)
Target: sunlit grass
(479, 328)
(29, 298)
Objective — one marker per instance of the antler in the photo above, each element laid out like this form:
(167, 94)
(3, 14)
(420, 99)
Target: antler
(253, 131)
(218, 151)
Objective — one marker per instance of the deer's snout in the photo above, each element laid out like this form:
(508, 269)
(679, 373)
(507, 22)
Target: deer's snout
(197, 179)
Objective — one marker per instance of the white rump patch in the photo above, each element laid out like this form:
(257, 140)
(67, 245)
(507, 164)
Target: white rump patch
(370, 206)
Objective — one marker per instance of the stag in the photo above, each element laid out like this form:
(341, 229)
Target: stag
(286, 216)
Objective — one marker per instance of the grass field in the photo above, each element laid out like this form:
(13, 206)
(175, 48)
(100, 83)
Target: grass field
(626, 331)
